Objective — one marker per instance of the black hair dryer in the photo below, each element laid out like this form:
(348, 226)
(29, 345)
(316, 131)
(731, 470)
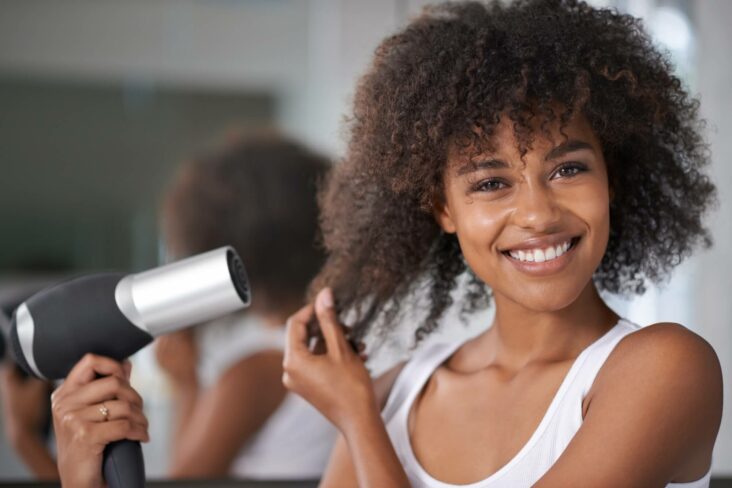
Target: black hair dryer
(116, 315)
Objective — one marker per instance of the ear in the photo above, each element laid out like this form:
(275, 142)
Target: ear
(443, 216)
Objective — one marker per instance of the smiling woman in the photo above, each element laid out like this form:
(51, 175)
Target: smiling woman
(545, 148)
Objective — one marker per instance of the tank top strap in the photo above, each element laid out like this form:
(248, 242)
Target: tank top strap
(598, 352)
(415, 373)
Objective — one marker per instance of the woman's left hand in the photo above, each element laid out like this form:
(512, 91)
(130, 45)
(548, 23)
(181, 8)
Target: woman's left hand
(336, 383)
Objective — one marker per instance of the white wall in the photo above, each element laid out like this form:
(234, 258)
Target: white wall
(713, 303)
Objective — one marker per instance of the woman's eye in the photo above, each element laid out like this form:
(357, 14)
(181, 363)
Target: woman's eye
(490, 185)
(569, 170)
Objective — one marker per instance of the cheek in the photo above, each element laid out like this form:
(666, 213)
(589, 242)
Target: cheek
(593, 208)
(478, 229)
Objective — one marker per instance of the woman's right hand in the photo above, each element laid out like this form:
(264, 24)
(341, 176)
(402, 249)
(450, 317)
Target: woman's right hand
(336, 383)
(81, 426)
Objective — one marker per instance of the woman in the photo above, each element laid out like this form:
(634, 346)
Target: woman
(546, 148)
(232, 416)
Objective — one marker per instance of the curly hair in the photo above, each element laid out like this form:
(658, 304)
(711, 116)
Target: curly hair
(449, 76)
(257, 194)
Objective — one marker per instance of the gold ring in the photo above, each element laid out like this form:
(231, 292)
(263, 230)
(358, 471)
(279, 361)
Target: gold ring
(104, 411)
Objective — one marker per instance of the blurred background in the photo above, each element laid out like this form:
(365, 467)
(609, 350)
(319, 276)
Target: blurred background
(101, 101)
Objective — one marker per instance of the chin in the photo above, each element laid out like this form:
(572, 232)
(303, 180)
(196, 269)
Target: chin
(550, 298)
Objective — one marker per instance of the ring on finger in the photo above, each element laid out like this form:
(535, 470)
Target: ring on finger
(104, 411)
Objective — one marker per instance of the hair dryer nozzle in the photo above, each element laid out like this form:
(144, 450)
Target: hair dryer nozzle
(184, 293)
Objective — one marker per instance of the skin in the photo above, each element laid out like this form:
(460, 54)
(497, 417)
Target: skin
(81, 430)
(662, 384)
(211, 425)
(25, 410)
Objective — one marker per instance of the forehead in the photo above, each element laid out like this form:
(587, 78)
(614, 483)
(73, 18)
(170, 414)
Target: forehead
(509, 141)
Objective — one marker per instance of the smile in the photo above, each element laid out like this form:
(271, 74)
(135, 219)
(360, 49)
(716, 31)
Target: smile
(543, 260)
(540, 255)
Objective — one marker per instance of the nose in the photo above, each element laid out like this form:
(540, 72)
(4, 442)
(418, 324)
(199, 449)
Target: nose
(536, 208)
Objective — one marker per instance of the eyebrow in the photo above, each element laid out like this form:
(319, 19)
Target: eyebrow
(557, 152)
(484, 164)
(567, 147)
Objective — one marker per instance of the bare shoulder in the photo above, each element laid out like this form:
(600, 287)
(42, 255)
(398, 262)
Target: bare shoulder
(664, 378)
(665, 351)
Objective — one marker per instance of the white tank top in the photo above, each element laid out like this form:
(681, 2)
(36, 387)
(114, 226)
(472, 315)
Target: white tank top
(296, 440)
(561, 421)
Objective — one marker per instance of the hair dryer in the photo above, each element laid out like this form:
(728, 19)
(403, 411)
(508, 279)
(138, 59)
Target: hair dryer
(115, 315)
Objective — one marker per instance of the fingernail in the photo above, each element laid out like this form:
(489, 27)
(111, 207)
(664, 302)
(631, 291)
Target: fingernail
(326, 298)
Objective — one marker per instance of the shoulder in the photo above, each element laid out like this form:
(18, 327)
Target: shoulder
(665, 351)
(262, 368)
(664, 378)
(652, 414)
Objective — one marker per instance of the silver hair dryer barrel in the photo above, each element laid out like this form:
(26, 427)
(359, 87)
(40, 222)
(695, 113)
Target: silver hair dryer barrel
(184, 293)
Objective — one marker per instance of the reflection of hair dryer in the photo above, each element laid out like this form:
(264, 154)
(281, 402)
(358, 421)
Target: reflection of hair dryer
(116, 315)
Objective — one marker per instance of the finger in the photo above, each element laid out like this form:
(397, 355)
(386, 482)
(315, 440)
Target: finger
(335, 341)
(116, 410)
(91, 366)
(127, 366)
(101, 390)
(297, 334)
(115, 430)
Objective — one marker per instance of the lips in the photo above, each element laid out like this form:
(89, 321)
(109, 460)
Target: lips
(542, 255)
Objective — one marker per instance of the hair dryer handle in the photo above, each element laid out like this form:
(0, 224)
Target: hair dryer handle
(123, 465)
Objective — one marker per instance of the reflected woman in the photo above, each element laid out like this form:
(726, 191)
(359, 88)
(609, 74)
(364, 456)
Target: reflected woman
(233, 417)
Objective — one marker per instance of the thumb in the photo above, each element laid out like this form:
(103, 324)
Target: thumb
(329, 325)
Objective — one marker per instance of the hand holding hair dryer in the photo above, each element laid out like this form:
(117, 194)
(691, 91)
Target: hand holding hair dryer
(115, 315)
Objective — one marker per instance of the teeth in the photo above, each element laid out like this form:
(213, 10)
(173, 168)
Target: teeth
(541, 255)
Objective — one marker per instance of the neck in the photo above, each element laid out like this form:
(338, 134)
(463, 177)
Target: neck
(520, 335)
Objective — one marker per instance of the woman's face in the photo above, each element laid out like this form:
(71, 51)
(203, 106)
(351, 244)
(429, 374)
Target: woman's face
(536, 229)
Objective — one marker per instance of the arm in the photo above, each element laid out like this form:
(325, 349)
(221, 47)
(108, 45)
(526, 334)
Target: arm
(34, 453)
(653, 415)
(177, 355)
(340, 472)
(228, 414)
(338, 385)
(25, 409)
